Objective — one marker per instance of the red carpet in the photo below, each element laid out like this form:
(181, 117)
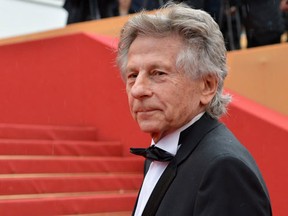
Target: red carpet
(51, 171)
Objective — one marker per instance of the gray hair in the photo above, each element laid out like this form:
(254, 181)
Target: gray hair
(204, 48)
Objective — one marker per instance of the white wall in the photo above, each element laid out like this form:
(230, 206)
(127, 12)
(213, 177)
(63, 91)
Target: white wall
(19, 17)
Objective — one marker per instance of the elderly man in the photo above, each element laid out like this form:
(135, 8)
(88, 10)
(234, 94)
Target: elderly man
(174, 64)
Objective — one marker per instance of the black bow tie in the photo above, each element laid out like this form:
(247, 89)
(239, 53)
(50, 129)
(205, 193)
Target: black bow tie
(153, 153)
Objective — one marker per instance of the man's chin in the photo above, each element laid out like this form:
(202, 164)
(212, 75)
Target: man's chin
(148, 128)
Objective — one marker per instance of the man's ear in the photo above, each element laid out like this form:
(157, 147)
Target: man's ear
(208, 88)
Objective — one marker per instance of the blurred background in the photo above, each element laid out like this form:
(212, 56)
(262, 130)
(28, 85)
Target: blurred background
(18, 17)
(261, 22)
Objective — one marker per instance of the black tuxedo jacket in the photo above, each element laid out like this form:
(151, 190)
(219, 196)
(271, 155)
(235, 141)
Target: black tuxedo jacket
(212, 174)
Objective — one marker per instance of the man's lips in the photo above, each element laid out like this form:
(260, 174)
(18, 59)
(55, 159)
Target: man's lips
(150, 110)
(146, 112)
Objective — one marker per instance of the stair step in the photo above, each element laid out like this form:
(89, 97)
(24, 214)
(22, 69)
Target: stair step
(22, 197)
(59, 147)
(70, 203)
(106, 214)
(13, 184)
(68, 164)
(49, 132)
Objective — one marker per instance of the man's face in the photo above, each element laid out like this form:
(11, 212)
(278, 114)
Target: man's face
(161, 98)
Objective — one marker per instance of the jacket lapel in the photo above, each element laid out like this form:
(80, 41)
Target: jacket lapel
(147, 163)
(189, 139)
(160, 189)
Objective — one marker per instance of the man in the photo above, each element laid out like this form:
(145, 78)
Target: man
(227, 15)
(85, 10)
(284, 10)
(174, 65)
(123, 7)
(263, 22)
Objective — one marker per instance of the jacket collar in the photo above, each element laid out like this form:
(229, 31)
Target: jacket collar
(191, 137)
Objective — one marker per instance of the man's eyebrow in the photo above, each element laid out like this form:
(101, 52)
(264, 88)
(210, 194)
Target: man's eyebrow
(162, 65)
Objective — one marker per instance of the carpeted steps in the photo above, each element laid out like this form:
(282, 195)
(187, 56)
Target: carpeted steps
(59, 147)
(67, 183)
(67, 164)
(49, 132)
(75, 174)
(79, 203)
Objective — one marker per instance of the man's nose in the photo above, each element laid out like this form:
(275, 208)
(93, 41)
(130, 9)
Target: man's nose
(141, 87)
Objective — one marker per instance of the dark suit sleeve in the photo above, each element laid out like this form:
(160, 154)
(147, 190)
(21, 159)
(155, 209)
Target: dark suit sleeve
(230, 187)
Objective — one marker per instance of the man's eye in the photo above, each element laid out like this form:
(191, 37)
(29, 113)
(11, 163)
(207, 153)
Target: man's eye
(132, 75)
(159, 73)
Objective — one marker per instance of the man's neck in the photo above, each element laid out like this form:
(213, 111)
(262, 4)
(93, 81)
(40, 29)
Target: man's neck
(177, 131)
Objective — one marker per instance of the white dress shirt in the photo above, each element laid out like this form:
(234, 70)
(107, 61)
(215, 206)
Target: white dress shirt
(168, 143)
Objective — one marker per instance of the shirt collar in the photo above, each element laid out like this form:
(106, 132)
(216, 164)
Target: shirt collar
(169, 143)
